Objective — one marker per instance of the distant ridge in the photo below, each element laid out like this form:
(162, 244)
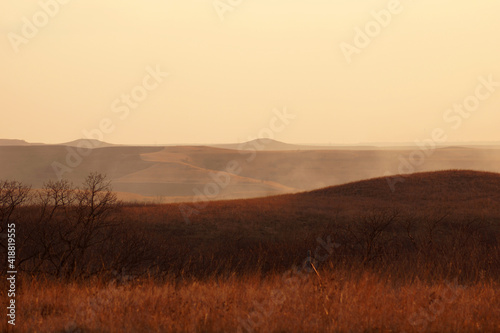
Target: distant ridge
(87, 143)
(275, 145)
(263, 144)
(268, 144)
(16, 142)
(84, 143)
(176, 171)
(13, 142)
(258, 144)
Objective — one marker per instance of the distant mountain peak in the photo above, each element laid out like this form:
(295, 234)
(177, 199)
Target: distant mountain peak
(267, 141)
(87, 143)
(267, 144)
(13, 142)
(260, 144)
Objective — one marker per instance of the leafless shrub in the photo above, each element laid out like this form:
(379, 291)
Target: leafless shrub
(13, 194)
(369, 233)
(422, 233)
(68, 224)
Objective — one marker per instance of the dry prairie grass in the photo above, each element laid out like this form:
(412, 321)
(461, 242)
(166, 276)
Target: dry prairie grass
(344, 302)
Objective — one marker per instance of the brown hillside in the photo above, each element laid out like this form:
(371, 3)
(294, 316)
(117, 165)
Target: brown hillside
(457, 194)
(439, 185)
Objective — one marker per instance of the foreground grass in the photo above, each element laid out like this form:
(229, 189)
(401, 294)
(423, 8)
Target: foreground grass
(334, 301)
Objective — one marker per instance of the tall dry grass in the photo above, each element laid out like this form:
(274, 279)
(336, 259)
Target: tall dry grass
(344, 301)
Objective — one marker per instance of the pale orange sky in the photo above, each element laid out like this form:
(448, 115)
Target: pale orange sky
(226, 77)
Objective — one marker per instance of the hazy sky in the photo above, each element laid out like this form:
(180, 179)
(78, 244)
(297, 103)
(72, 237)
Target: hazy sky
(226, 76)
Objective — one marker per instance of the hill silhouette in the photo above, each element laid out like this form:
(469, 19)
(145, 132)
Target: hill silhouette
(260, 145)
(438, 185)
(458, 194)
(174, 173)
(87, 143)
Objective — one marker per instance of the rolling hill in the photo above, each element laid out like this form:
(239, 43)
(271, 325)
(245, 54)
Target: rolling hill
(179, 173)
(457, 185)
(456, 209)
(456, 193)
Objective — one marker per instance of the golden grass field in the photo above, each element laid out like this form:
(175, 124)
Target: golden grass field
(341, 301)
(351, 258)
